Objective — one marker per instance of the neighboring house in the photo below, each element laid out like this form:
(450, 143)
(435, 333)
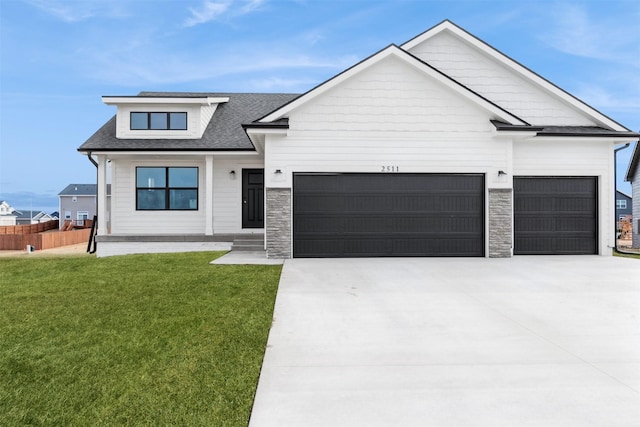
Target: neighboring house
(77, 203)
(26, 217)
(633, 176)
(7, 215)
(623, 205)
(442, 146)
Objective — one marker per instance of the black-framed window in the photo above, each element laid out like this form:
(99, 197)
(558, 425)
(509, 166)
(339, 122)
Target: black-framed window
(158, 120)
(166, 188)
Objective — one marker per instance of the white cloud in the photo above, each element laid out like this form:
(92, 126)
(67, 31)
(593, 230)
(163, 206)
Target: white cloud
(281, 84)
(214, 10)
(250, 6)
(209, 11)
(138, 68)
(607, 100)
(75, 11)
(610, 78)
(573, 31)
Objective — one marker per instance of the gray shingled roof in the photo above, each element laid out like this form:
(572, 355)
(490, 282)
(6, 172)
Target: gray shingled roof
(224, 132)
(81, 190)
(588, 131)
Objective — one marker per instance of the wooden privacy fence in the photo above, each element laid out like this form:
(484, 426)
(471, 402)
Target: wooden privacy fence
(29, 228)
(44, 240)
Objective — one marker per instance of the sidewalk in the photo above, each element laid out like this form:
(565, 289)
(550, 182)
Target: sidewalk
(78, 249)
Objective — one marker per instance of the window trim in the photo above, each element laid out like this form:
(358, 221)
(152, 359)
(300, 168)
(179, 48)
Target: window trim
(167, 188)
(621, 204)
(168, 113)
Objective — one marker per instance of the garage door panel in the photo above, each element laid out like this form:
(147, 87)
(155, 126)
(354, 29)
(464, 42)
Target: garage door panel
(320, 202)
(555, 215)
(375, 223)
(568, 245)
(367, 246)
(388, 215)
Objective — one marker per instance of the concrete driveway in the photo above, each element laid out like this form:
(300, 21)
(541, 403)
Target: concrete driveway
(525, 341)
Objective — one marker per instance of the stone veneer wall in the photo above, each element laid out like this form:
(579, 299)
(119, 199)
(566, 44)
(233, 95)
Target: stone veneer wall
(278, 226)
(500, 222)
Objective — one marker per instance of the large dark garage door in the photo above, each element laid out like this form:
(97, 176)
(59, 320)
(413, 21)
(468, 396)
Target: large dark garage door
(366, 215)
(555, 215)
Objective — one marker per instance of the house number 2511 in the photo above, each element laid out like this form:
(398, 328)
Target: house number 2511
(390, 169)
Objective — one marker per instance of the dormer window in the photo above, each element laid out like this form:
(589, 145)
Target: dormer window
(158, 121)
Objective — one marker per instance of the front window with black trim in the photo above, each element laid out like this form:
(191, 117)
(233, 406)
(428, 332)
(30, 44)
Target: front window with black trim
(166, 188)
(158, 121)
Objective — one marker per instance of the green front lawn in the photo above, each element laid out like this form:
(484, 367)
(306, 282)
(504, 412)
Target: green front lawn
(161, 339)
(626, 255)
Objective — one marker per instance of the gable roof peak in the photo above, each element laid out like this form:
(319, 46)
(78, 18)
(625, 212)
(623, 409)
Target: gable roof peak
(403, 55)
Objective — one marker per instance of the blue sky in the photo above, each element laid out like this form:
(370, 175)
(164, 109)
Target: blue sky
(58, 57)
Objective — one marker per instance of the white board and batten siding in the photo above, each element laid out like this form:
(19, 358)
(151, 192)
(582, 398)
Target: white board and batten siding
(389, 118)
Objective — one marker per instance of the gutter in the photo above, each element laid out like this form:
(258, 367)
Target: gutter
(615, 193)
(92, 238)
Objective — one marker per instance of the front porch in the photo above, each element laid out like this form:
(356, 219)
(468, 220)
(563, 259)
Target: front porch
(114, 244)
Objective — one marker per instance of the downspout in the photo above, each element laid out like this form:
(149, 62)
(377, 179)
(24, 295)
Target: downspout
(615, 194)
(95, 217)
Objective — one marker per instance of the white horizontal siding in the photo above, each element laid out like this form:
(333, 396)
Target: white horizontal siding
(496, 82)
(125, 219)
(561, 158)
(461, 155)
(227, 198)
(389, 115)
(390, 96)
(194, 122)
(227, 194)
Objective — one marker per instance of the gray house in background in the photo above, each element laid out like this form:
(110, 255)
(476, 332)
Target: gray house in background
(78, 203)
(623, 205)
(633, 176)
(26, 217)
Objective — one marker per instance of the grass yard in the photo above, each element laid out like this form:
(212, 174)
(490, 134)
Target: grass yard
(162, 339)
(626, 255)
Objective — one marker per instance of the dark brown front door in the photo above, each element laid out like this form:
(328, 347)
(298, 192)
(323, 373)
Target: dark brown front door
(252, 198)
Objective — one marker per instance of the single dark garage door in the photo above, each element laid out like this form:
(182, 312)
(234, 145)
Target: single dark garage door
(369, 215)
(555, 215)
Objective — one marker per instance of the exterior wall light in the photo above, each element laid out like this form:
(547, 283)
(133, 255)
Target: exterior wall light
(501, 173)
(278, 171)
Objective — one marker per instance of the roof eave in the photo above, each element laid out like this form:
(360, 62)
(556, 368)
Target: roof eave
(633, 164)
(89, 151)
(462, 90)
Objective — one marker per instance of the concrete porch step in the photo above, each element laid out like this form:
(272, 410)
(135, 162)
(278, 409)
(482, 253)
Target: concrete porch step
(248, 243)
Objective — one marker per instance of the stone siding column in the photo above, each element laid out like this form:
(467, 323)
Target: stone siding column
(278, 227)
(500, 222)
